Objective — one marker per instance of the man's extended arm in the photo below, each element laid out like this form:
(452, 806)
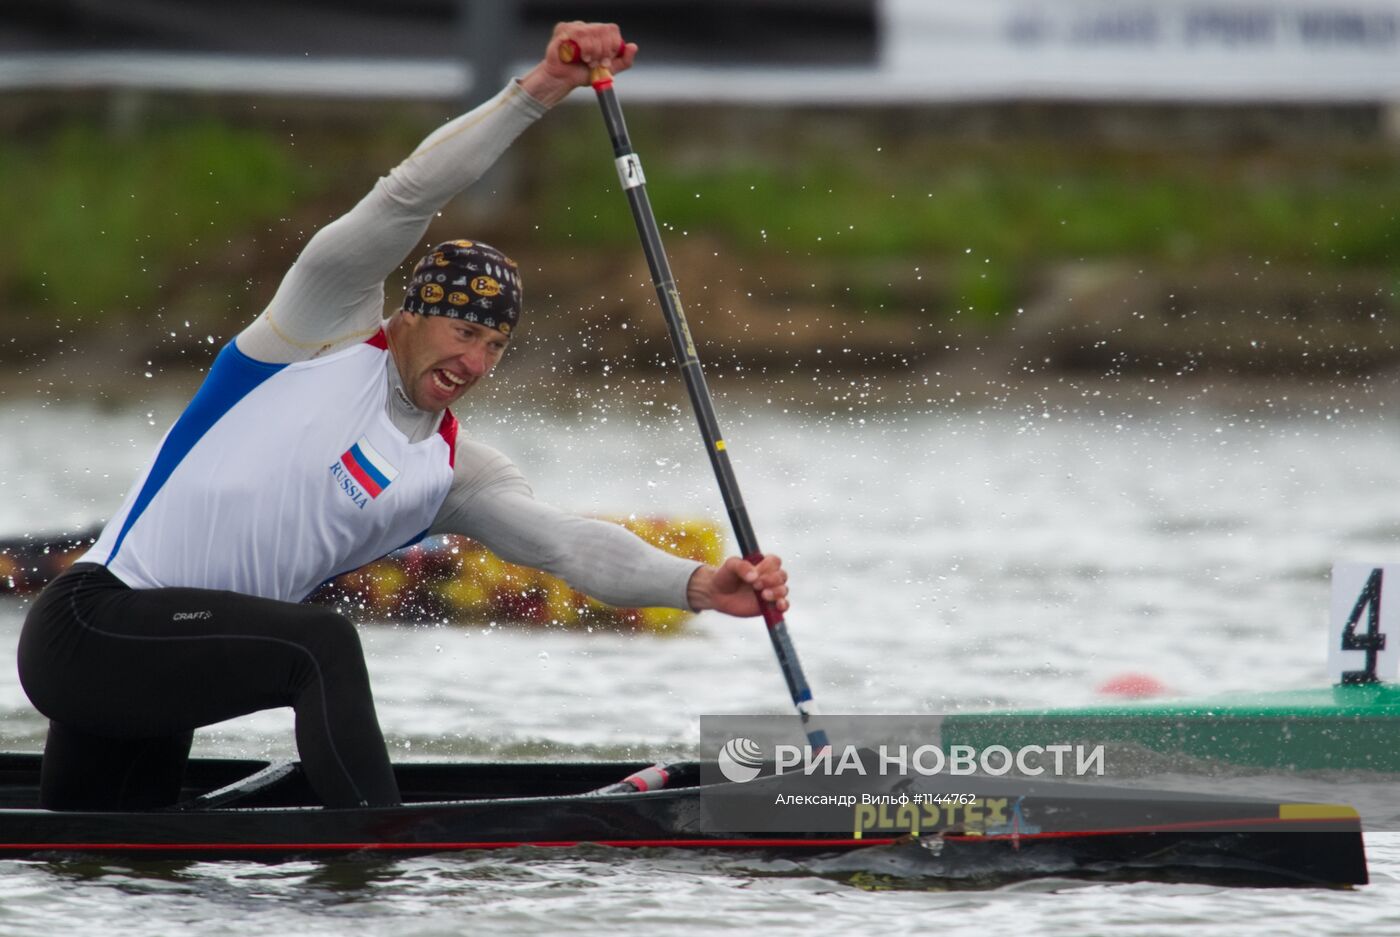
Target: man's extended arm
(491, 503)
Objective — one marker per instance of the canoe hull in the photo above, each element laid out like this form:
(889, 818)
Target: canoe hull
(454, 807)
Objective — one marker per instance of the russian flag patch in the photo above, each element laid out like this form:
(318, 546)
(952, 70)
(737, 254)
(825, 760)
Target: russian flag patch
(368, 467)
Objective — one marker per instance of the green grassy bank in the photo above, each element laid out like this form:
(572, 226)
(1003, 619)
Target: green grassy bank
(102, 225)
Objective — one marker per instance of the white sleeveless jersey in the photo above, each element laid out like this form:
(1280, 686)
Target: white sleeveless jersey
(278, 477)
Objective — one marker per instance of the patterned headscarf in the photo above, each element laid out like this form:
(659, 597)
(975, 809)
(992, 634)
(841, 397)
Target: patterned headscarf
(466, 280)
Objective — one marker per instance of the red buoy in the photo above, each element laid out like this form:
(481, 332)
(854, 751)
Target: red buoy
(1133, 686)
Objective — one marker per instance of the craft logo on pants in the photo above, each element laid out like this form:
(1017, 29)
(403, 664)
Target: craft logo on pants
(740, 760)
(368, 467)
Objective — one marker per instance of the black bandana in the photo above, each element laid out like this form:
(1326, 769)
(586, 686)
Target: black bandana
(466, 280)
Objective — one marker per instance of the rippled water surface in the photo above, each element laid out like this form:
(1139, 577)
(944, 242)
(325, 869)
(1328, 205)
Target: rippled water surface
(940, 559)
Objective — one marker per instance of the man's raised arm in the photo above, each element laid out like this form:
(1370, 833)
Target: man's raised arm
(333, 296)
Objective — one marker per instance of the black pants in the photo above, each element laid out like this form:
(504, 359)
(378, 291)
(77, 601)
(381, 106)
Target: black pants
(125, 676)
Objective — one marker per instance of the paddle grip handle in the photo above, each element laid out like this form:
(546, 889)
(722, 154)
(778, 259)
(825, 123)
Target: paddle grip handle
(569, 53)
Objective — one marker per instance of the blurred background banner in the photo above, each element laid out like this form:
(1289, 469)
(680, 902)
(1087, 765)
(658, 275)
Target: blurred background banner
(958, 195)
(728, 51)
(1241, 50)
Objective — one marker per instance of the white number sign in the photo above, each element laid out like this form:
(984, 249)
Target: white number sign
(1363, 643)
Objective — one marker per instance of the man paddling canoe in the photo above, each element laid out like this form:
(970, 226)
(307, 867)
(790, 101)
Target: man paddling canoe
(320, 440)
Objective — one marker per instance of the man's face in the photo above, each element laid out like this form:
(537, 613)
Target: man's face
(441, 358)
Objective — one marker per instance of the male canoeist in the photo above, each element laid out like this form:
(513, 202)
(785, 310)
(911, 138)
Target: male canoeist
(320, 440)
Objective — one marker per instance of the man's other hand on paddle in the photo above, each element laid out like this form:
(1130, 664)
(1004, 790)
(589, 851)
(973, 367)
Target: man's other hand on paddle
(735, 587)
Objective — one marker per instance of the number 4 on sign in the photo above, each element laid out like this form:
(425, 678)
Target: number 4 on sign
(1363, 642)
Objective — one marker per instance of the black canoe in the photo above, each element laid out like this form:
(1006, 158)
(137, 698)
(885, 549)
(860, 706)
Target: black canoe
(253, 809)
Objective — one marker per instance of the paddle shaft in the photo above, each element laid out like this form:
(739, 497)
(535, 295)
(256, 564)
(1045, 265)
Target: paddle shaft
(629, 169)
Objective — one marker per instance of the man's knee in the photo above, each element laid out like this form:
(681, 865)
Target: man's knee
(85, 771)
(333, 644)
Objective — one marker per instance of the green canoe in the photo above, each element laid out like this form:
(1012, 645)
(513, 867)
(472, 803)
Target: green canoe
(1347, 728)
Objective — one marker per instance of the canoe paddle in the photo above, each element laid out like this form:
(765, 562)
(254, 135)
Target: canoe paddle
(629, 171)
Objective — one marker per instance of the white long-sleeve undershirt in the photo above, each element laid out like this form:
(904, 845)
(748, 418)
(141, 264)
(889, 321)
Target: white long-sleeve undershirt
(333, 297)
